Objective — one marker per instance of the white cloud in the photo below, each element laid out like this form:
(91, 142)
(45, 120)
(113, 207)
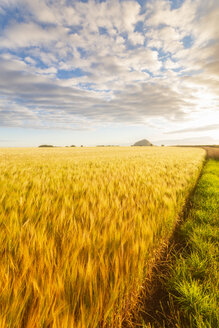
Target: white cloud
(196, 128)
(169, 64)
(167, 38)
(120, 73)
(136, 38)
(161, 13)
(30, 34)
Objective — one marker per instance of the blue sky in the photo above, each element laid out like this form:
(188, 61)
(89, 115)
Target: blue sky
(108, 72)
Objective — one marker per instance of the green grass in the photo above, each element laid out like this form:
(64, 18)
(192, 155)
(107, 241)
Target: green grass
(194, 277)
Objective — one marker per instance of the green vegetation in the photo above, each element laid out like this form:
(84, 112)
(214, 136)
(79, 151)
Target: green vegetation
(78, 226)
(194, 277)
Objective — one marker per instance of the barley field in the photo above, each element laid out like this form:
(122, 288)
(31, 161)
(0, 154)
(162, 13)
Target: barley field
(78, 227)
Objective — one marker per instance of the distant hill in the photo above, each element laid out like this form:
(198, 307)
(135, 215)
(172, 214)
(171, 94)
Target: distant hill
(143, 142)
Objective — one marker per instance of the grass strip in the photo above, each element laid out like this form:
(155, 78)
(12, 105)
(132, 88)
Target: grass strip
(194, 275)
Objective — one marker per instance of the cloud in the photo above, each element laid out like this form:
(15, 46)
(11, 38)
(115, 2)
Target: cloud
(205, 140)
(194, 129)
(21, 35)
(82, 64)
(36, 100)
(168, 38)
(136, 38)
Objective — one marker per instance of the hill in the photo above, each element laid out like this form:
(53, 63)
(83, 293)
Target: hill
(143, 142)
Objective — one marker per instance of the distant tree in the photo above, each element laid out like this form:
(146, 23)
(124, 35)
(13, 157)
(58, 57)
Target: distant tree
(41, 146)
(82, 146)
(162, 145)
(72, 146)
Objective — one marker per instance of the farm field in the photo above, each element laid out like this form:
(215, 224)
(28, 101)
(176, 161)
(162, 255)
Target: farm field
(212, 152)
(78, 227)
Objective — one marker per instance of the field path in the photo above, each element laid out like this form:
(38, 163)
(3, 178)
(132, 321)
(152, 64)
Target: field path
(156, 305)
(177, 293)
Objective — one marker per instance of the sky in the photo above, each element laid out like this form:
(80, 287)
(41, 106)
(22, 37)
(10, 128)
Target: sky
(109, 72)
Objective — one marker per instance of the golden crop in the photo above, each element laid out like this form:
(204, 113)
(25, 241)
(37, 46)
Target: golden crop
(77, 226)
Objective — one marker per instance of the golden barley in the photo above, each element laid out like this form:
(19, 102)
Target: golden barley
(78, 225)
